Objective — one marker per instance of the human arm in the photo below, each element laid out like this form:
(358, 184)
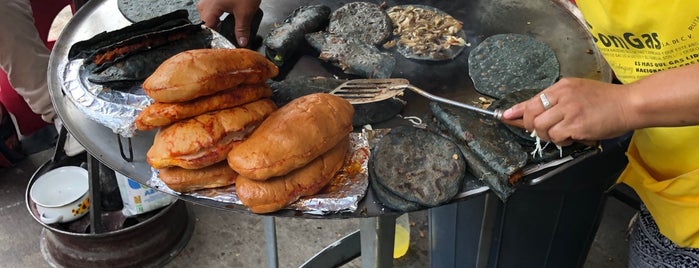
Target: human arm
(25, 59)
(587, 110)
(210, 12)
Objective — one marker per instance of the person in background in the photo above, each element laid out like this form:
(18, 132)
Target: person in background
(210, 12)
(24, 57)
(655, 57)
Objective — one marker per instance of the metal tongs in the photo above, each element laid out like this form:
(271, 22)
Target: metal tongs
(359, 91)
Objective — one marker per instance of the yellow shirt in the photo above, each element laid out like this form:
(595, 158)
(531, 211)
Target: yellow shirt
(638, 38)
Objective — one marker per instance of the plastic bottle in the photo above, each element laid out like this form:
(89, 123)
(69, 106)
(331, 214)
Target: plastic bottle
(402, 237)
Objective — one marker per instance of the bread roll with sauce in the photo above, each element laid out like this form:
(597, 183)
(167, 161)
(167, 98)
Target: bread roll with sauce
(186, 180)
(278, 192)
(162, 114)
(206, 139)
(201, 72)
(293, 136)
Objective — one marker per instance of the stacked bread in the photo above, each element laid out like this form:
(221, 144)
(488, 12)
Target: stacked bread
(206, 101)
(217, 127)
(295, 152)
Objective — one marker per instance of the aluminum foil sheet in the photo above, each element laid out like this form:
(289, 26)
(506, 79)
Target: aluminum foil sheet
(116, 110)
(342, 194)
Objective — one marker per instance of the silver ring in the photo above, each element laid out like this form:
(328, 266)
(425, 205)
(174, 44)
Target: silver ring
(545, 101)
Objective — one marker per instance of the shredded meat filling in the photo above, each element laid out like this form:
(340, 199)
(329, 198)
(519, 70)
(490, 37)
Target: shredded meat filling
(425, 32)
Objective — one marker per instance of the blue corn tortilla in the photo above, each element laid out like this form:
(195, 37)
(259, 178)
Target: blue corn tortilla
(284, 40)
(484, 135)
(352, 55)
(349, 43)
(418, 165)
(491, 152)
(505, 63)
(389, 199)
(364, 21)
(510, 99)
(85, 48)
(133, 67)
(294, 87)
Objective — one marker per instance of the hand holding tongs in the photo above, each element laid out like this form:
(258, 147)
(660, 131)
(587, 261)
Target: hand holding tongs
(360, 91)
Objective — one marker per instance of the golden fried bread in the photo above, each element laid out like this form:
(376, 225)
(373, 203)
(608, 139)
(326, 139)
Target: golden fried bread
(206, 139)
(185, 180)
(293, 136)
(278, 192)
(161, 114)
(201, 72)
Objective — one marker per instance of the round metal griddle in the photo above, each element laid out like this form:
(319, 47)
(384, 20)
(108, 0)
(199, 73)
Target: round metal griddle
(549, 21)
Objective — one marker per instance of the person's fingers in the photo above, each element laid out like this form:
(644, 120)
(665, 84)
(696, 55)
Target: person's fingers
(530, 111)
(514, 112)
(564, 143)
(209, 14)
(558, 134)
(242, 27)
(545, 121)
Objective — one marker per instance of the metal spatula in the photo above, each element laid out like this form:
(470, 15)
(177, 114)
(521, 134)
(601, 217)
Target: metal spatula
(358, 91)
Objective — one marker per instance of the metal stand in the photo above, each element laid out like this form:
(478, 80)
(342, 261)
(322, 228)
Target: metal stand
(341, 251)
(271, 241)
(551, 224)
(485, 239)
(151, 243)
(108, 238)
(377, 235)
(373, 241)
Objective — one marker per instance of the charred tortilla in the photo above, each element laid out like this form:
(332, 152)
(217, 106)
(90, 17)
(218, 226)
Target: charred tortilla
(508, 101)
(497, 182)
(134, 67)
(354, 31)
(506, 63)
(418, 165)
(123, 58)
(85, 48)
(283, 41)
(375, 112)
(484, 135)
(363, 21)
(389, 199)
(491, 151)
(293, 87)
(353, 56)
